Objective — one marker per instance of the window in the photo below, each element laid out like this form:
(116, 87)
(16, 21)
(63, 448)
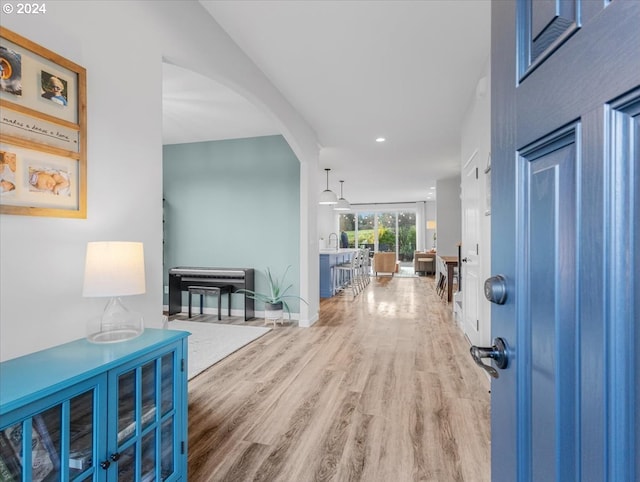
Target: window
(393, 231)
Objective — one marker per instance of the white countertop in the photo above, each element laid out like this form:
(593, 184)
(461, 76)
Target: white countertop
(337, 251)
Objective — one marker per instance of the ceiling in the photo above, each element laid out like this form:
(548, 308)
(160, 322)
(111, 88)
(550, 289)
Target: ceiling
(355, 70)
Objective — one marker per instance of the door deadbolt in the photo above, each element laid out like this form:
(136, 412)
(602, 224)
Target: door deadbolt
(495, 289)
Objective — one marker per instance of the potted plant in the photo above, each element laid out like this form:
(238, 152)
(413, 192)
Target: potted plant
(275, 300)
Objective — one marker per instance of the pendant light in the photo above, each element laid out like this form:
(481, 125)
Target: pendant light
(343, 204)
(327, 196)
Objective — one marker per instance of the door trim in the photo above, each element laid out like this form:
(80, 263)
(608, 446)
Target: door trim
(622, 266)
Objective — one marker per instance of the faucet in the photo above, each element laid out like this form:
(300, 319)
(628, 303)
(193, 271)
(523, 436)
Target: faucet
(337, 242)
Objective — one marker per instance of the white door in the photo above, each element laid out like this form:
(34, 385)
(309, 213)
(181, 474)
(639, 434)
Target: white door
(470, 268)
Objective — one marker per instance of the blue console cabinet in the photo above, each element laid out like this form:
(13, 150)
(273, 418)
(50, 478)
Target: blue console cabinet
(87, 412)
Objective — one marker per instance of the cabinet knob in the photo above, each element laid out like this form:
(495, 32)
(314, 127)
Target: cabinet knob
(115, 457)
(105, 464)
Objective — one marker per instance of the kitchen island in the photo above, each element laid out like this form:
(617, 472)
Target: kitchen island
(329, 258)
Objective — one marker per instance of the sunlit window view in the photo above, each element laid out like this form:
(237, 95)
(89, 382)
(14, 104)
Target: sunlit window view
(384, 231)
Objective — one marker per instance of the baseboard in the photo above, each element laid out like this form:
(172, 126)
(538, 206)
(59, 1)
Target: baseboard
(308, 323)
(238, 313)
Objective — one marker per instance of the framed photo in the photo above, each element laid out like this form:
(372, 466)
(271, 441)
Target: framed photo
(43, 148)
(35, 180)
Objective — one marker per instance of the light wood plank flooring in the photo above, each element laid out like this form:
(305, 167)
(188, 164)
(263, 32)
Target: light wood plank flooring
(381, 388)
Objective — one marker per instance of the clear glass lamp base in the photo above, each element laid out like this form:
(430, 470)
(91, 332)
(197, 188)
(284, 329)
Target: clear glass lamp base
(116, 324)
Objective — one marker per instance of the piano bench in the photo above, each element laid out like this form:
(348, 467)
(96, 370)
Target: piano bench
(210, 290)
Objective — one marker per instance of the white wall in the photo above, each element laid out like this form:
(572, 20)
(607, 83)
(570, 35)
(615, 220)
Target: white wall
(122, 44)
(448, 218)
(426, 212)
(328, 222)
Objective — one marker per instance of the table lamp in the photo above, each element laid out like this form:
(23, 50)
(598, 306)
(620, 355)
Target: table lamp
(114, 269)
(432, 225)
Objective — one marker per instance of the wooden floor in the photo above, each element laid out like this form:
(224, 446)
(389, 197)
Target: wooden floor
(379, 389)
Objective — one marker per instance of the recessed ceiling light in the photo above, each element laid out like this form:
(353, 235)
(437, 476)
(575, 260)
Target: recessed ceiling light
(380, 139)
(432, 187)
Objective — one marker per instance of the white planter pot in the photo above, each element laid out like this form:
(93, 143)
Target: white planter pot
(273, 313)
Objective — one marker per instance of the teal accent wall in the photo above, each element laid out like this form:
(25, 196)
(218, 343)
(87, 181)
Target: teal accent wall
(233, 204)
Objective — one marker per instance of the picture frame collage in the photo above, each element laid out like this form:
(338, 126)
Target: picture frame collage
(43, 147)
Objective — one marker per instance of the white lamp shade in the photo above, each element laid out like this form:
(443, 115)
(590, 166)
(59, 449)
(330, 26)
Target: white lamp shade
(328, 197)
(343, 205)
(114, 268)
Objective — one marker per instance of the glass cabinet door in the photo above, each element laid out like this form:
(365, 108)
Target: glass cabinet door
(168, 411)
(81, 435)
(60, 444)
(146, 421)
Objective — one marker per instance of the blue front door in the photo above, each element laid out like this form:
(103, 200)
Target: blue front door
(565, 210)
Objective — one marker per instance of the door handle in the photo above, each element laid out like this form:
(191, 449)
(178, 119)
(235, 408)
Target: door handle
(497, 352)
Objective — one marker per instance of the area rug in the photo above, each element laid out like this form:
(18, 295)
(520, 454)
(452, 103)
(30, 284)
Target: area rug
(211, 342)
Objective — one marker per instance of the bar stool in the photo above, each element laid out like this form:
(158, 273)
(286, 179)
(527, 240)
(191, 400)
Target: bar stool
(350, 272)
(210, 290)
(338, 277)
(364, 267)
(441, 287)
(427, 263)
